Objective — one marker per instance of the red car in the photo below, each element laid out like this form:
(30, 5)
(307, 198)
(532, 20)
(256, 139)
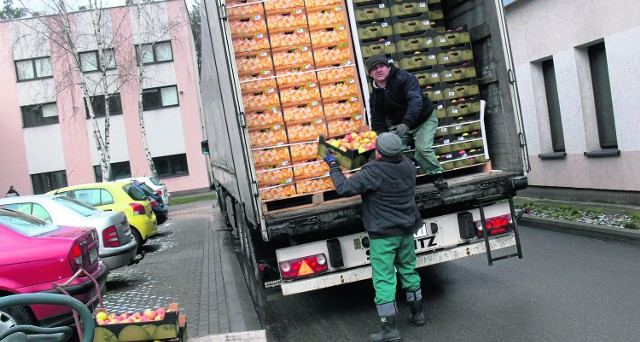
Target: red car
(35, 254)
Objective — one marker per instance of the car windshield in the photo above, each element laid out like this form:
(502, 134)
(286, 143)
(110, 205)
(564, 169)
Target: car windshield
(25, 224)
(77, 206)
(134, 192)
(146, 189)
(155, 181)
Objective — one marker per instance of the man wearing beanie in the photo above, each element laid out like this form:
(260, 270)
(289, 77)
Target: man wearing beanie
(390, 216)
(396, 99)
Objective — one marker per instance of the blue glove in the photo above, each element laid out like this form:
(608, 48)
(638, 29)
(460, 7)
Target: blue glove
(329, 158)
(399, 130)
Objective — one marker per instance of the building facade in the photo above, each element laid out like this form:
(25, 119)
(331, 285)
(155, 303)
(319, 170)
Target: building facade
(48, 138)
(578, 80)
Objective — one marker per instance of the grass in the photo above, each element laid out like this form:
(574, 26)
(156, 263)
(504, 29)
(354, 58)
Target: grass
(626, 219)
(192, 199)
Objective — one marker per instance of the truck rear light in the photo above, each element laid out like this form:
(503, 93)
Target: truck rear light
(305, 266)
(75, 257)
(110, 237)
(495, 225)
(138, 209)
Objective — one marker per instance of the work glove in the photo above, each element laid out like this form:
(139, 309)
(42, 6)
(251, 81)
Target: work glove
(330, 159)
(399, 130)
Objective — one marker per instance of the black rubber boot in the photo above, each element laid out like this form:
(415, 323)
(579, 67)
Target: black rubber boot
(389, 324)
(414, 298)
(440, 182)
(416, 317)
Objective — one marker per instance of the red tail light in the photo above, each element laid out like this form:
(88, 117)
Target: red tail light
(75, 257)
(154, 203)
(159, 192)
(303, 266)
(110, 237)
(138, 209)
(495, 225)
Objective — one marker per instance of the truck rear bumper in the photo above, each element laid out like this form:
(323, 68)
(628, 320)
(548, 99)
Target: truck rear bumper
(424, 259)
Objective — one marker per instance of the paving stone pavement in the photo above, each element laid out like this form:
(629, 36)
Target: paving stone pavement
(191, 261)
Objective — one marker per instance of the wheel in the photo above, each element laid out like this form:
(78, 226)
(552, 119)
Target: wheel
(138, 237)
(16, 315)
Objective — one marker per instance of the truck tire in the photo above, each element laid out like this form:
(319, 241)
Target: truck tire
(17, 315)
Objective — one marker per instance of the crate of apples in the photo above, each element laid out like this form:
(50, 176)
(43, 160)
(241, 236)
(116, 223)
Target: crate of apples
(352, 150)
(149, 325)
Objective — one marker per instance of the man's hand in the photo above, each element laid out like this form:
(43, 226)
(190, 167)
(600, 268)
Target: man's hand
(399, 130)
(329, 158)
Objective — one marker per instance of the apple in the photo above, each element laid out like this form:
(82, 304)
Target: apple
(101, 315)
(150, 314)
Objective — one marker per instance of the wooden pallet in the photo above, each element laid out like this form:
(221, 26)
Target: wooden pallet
(299, 201)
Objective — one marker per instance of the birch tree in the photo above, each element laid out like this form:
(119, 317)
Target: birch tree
(149, 31)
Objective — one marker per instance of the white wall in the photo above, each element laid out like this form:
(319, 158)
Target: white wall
(562, 30)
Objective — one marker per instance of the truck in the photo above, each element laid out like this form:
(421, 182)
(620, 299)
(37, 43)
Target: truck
(303, 241)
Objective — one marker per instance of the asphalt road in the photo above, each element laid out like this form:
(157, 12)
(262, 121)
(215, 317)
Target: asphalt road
(567, 288)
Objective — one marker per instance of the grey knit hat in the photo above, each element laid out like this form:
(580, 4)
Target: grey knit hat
(389, 145)
(375, 60)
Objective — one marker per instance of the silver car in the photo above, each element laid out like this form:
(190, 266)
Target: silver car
(117, 245)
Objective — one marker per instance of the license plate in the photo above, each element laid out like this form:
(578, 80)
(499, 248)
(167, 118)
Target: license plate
(93, 256)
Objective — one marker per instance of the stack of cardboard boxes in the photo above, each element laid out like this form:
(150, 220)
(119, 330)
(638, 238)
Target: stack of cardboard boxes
(411, 34)
(298, 80)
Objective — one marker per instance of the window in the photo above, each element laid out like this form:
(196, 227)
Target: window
(30, 69)
(155, 53)
(89, 60)
(93, 197)
(39, 115)
(31, 208)
(155, 98)
(553, 105)
(44, 182)
(98, 104)
(118, 170)
(602, 96)
(175, 165)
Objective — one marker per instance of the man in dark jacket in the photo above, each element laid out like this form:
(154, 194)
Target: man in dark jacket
(390, 215)
(396, 99)
(12, 192)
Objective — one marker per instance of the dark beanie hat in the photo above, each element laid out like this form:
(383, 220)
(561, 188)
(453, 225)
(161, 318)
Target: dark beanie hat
(389, 145)
(375, 60)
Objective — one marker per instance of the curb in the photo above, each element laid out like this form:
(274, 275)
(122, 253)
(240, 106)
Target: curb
(594, 231)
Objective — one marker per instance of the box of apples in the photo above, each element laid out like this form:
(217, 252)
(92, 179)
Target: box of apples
(150, 325)
(351, 150)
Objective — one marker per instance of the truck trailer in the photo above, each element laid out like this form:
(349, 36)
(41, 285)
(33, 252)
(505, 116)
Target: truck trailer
(265, 62)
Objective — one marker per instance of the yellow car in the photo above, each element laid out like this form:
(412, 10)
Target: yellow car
(118, 196)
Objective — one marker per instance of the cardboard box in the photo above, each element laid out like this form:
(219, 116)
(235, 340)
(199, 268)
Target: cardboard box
(243, 8)
(262, 100)
(458, 73)
(249, 62)
(257, 85)
(261, 118)
(279, 156)
(303, 112)
(314, 185)
(328, 16)
(294, 37)
(300, 94)
(329, 36)
(370, 32)
(249, 25)
(458, 90)
(455, 55)
(307, 131)
(277, 192)
(256, 42)
(335, 55)
(411, 26)
(453, 37)
(338, 90)
(369, 13)
(171, 328)
(336, 74)
(304, 151)
(293, 57)
(287, 19)
(278, 5)
(416, 62)
(386, 47)
(409, 9)
(342, 126)
(342, 108)
(274, 175)
(268, 137)
(410, 45)
(428, 76)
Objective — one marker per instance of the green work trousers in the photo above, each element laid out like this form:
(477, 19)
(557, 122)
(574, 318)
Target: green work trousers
(422, 137)
(388, 255)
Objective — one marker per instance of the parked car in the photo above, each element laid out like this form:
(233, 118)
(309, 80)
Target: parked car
(117, 246)
(118, 196)
(37, 254)
(157, 186)
(157, 204)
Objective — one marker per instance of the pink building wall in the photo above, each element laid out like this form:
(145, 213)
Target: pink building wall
(13, 159)
(73, 125)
